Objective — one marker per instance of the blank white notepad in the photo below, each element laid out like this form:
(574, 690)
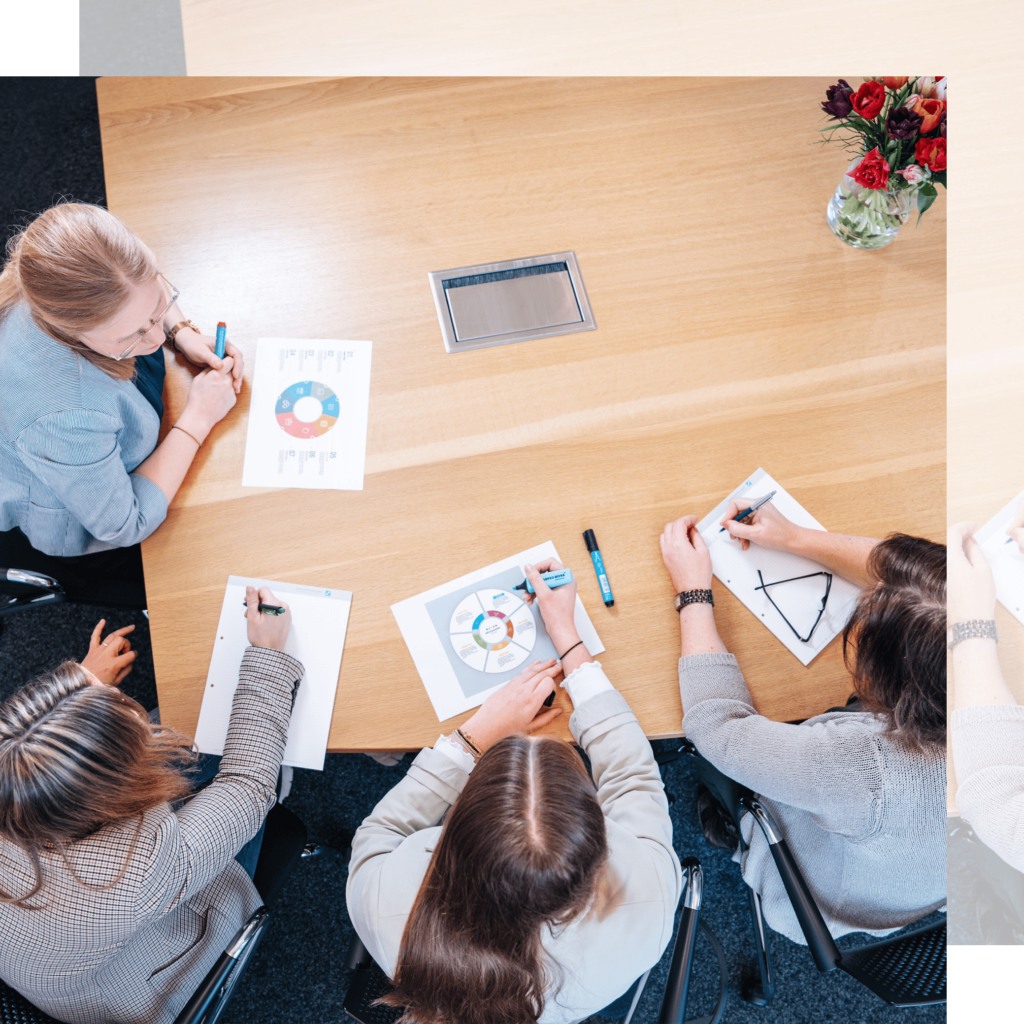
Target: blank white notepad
(799, 600)
(317, 637)
(1004, 556)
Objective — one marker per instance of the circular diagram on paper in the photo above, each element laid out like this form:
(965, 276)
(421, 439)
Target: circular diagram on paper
(493, 630)
(307, 409)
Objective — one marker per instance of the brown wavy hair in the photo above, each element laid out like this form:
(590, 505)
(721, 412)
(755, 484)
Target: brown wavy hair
(75, 757)
(521, 848)
(74, 266)
(895, 643)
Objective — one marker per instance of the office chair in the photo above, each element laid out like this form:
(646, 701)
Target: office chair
(369, 982)
(20, 588)
(996, 894)
(207, 1002)
(908, 970)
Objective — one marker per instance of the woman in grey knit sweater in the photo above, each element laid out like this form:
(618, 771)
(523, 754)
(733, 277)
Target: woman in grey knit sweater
(858, 792)
(987, 728)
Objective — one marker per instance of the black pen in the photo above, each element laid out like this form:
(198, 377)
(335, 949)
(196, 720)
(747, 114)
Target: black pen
(268, 609)
(750, 511)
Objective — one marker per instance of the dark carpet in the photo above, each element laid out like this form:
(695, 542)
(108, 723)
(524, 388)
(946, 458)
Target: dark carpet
(49, 135)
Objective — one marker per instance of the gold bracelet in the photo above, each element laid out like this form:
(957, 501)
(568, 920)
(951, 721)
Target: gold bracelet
(468, 740)
(199, 443)
(457, 738)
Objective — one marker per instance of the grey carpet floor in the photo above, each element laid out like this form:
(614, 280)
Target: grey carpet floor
(49, 134)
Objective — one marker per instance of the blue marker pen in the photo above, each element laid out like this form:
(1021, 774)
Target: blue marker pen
(554, 578)
(602, 577)
(222, 333)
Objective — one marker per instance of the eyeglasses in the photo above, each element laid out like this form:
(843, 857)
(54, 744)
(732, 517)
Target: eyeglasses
(821, 611)
(143, 332)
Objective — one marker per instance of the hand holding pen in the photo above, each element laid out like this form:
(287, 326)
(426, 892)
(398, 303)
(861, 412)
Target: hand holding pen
(766, 526)
(266, 629)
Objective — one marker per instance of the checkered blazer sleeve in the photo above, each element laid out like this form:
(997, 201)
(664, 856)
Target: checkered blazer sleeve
(217, 822)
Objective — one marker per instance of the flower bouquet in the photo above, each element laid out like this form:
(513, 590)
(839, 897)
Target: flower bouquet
(897, 126)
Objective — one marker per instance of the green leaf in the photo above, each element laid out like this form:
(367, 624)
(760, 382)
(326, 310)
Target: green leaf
(925, 197)
(940, 177)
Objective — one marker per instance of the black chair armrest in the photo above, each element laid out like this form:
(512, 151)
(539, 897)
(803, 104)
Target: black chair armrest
(819, 940)
(673, 1006)
(239, 948)
(357, 956)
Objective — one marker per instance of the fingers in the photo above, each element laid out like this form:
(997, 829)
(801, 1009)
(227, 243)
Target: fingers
(97, 634)
(125, 659)
(533, 574)
(252, 602)
(541, 720)
(236, 370)
(225, 364)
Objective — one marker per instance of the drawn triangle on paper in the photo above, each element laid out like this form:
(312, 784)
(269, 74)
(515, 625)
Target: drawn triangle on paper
(799, 600)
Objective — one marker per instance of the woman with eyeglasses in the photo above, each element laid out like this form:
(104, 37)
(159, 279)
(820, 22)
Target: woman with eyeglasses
(84, 315)
(859, 792)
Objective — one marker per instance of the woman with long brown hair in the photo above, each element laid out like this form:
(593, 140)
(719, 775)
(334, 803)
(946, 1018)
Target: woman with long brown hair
(539, 898)
(84, 313)
(115, 897)
(858, 791)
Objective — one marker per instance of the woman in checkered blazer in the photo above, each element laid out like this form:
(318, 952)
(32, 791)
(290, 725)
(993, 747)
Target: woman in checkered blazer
(118, 889)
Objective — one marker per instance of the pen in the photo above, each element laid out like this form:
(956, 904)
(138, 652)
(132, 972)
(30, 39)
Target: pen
(222, 331)
(602, 577)
(268, 609)
(750, 511)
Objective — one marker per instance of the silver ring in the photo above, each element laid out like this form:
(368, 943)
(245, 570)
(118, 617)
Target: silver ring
(103, 643)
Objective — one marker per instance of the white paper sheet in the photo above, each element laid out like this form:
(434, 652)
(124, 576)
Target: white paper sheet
(317, 637)
(430, 650)
(1003, 554)
(799, 600)
(308, 414)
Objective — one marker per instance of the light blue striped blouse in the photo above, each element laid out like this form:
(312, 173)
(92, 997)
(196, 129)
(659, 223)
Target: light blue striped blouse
(70, 437)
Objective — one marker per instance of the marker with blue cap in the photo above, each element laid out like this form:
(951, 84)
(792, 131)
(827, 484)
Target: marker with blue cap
(222, 337)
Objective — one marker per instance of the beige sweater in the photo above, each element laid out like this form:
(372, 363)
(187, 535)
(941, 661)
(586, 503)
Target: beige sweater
(604, 950)
(988, 752)
(862, 813)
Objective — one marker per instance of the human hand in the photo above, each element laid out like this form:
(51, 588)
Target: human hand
(513, 709)
(266, 630)
(767, 527)
(1016, 528)
(200, 350)
(557, 607)
(211, 395)
(109, 660)
(970, 589)
(686, 555)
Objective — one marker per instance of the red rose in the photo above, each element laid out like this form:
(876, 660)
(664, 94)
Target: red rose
(931, 153)
(868, 99)
(873, 171)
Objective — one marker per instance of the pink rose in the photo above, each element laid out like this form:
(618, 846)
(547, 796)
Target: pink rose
(913, 174)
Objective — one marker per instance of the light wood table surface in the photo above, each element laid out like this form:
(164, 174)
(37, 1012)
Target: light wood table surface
(734, 331)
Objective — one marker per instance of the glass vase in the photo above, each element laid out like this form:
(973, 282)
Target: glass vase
(867, 218)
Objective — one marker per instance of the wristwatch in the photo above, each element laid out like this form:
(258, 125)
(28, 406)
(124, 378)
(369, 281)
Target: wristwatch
(694, 597)
(173, 332)
(972, 628)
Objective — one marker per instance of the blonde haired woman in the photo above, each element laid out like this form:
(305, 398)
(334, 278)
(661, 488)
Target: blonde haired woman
(84, 312)
(114, 902)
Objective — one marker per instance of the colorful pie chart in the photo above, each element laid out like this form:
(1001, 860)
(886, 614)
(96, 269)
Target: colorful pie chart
(307, 409)
(492, 630)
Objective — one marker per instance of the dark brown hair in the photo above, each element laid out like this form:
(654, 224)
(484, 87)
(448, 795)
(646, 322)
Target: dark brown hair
(522, 847)
(75, 757)
(895, 643)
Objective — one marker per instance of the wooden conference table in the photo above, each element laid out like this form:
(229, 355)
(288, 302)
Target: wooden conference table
(734, 331)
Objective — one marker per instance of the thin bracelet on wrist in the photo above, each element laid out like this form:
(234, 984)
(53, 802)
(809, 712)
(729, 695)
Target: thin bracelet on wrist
(199, 444)
(573, 648)
(467, 742)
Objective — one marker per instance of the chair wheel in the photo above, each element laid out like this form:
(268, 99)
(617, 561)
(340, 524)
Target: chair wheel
(754, 995)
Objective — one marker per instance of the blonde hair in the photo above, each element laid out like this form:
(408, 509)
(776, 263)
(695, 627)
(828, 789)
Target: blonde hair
(75, 757)
(74, 266)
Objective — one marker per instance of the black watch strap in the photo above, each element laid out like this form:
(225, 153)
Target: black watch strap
(694, 597)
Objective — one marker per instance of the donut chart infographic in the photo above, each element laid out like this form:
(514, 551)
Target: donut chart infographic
(307, 409)
(492, 630)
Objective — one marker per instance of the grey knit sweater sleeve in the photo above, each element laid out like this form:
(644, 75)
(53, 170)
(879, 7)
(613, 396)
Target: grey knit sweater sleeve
(832, 767)
(988, 753)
